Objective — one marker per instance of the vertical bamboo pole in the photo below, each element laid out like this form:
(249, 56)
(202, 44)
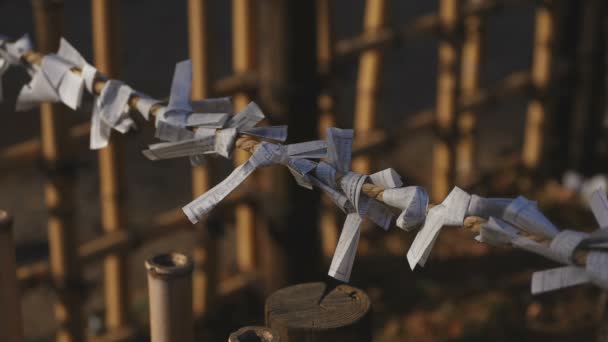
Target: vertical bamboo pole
(243, 60)
(447, 92)
(586, 123)
(11, 326)
(59, 189)
(205, 253)
(328, 217)
(112, 177)
(541, 77)
(466, 162)
(170, 293)
(368, 82)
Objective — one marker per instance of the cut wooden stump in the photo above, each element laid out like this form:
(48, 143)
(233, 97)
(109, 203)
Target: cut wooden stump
(254, 334)
(297, 315)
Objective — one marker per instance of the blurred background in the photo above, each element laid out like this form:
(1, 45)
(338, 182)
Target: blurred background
(499, 97)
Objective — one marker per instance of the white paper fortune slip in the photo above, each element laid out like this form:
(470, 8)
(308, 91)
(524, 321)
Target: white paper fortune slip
(377, 212)
(276, 133)
(351, 185)
(224, 141)
(247, 118)
(326, 174)
(525, 215)
(184, 148)
(565, 243)
(497, 232)
(100, 131)
(346, 250)
(558, 278)
(412, 200)
(597, 268)
(486, 207)
(599, 207)
(265, 154)
(167, 132)
(214, 120)
(339, 148)
(387, 178)
(310, 149)
(300, 168)
(450, 212)
(337, 197)
(179, 107)
(38, 90)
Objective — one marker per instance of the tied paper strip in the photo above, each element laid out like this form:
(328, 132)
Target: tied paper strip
(179, 107)
(387, 178)
(497, 232)
(264, 155)
(247, 118)
(450, 212)
(599, 207)
(412, 200)
(10, 54)
(336, 196)
(351, 185)
(558, 278)
(346, 250)
(339, 148)
(487, 207)
(524, 214)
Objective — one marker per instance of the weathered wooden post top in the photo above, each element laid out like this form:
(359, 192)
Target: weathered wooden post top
(299, 313)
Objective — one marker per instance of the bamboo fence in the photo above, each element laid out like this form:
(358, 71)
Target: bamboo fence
(459, 28)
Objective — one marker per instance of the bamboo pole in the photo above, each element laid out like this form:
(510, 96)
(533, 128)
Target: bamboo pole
(170, 293)
(11, 325)
(537, 115)
(205, 253)
(59, 189)
(328, 216)
(447, 90)
(366, 104)
(243, 60)
(466, 159)
(112, 172)
(289, 88)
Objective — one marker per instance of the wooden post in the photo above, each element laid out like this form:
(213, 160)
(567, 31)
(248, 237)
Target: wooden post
(170, 293)
(537, 115)
(112, 171)
(243, 60)
(205, 254)
(254, 334)
(466, 158)
(289, 90)
(296, 314)
(11, 325)
(586, 123)
(368, 82)
(328, 217)
(59, 189)
(447, 94)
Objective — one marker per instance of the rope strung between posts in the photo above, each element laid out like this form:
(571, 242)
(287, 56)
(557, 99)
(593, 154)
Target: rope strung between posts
(198, 129)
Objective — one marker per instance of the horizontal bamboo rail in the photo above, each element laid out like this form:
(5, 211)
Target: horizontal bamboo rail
(425, 26)
(122, 241)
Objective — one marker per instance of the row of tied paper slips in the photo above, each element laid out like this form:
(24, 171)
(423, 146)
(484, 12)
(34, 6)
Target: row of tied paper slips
(198, 129)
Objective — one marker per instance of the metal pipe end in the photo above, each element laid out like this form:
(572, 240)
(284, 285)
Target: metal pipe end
(6, 221)
(170, 265)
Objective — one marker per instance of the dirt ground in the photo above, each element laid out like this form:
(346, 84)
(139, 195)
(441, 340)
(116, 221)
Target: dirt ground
(468, 291)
